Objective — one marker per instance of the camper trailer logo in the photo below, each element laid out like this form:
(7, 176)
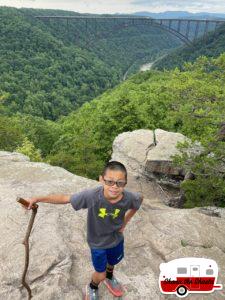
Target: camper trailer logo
(187, 275)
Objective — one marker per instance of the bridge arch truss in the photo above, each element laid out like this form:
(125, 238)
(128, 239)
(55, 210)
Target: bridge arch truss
(187, 30)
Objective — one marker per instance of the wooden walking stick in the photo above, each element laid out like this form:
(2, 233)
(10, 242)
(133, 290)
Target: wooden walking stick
(26, 243)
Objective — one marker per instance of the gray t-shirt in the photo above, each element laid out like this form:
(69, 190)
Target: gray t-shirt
(104, 219)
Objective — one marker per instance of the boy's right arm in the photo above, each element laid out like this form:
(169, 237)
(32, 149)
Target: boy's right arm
(55, 199)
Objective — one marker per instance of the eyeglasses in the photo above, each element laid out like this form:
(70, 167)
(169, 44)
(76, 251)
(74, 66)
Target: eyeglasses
(112, 182)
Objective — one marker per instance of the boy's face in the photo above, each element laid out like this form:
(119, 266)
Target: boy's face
(113, 192)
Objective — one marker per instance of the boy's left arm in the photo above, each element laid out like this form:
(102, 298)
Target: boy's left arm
(129, 215)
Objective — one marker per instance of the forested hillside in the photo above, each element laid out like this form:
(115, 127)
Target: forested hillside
(41, 75)
(189, 101)
(48, 71)
(211, 46)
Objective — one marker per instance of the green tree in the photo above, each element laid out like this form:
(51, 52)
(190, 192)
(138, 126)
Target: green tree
(27, 148)
(10, 135)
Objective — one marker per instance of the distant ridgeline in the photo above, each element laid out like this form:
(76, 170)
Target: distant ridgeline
(211, 46)
(48, 69)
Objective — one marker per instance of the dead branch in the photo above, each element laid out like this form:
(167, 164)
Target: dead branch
(26, 244)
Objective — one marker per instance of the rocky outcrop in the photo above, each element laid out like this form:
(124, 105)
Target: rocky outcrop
(148, 155)
(159, 158)
(60, 264)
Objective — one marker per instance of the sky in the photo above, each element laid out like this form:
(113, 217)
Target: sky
(122, 6)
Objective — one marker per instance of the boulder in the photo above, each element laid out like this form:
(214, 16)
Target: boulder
(148, 156)
(148, 152)
(159, 158)
(131, 149)
(60, 262)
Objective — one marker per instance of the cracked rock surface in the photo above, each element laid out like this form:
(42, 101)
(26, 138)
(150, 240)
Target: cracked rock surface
(60, 263)
(147, 152)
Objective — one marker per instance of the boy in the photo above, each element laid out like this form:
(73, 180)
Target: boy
(107, 206)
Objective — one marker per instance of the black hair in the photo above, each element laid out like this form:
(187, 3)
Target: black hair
(115, 165)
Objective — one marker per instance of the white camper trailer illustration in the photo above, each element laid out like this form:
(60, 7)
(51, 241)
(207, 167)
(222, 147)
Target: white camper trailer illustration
(188, 275)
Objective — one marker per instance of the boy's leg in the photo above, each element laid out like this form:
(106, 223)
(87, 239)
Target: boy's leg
(114, 256)
(92, 288)
(114, 286)
(109, 271)
(97, 277)
(99, 261)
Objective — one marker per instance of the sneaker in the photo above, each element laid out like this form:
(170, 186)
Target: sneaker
(91, 294)
(114, 286)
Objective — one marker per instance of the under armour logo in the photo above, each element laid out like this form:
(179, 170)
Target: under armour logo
(103, 213)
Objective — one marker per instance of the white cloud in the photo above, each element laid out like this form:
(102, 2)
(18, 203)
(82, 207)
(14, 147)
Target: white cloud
(191, 5)
(123, 6)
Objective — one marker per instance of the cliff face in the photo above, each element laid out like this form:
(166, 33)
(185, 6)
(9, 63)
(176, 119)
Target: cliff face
(60, 263)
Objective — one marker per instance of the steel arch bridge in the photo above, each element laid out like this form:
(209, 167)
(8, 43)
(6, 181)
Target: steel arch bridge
(187, 30)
